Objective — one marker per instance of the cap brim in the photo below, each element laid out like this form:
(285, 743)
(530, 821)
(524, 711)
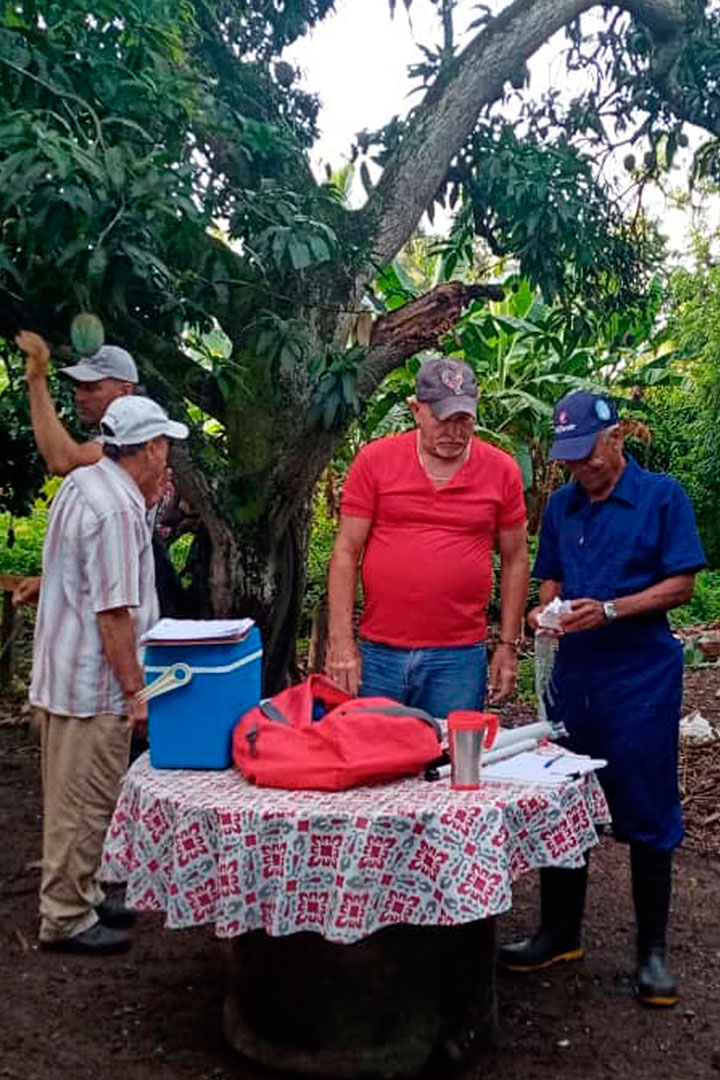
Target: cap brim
(449, 406)
(176, 430)
(171, 429)
(83, 373)
(573, 449)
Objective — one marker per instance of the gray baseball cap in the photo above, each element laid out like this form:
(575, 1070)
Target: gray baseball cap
(447, 386)
(131, 419)
(109, 362)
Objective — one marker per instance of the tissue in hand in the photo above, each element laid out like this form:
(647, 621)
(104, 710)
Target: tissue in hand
(549, 617)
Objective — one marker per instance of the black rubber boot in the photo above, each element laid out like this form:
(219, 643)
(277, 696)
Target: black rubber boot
(652, 884)
(562, 901)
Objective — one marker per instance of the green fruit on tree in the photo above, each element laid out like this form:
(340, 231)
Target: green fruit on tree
(87, 334)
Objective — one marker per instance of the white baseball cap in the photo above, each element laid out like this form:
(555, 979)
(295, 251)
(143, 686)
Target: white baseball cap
(109, 362)
(131, 419)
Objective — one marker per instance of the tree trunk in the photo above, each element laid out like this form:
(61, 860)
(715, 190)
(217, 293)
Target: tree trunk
(268, 571)
(256, 571)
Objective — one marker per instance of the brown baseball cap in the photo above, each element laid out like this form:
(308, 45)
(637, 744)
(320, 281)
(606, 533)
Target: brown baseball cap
(447, 386)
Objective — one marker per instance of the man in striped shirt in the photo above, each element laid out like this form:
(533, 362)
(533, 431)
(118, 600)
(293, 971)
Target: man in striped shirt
(97, 598)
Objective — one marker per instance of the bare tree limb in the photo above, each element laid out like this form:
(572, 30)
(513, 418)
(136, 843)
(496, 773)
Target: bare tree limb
(416, 326)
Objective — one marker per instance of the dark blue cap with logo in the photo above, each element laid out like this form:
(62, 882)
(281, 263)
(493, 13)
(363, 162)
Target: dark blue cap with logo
(577, 420)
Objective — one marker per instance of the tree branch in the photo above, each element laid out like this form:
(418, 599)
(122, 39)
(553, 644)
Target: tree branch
(416, 326)
(446, 118)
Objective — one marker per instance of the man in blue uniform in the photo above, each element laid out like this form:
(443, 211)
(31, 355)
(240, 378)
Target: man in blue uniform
(621, 544)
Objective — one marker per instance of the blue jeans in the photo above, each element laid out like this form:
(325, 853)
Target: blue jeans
(437, 680)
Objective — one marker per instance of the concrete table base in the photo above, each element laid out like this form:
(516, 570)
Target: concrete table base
(386, 1006)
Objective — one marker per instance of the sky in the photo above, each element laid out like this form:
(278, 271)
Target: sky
(356, 61)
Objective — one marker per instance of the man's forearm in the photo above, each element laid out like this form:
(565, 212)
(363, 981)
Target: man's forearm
(667, 594)
(342, 582)
(548, 591)
(58, 450)
(117, 631)
(514, 578)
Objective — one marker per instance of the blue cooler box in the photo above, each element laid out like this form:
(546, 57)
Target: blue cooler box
(190, 725)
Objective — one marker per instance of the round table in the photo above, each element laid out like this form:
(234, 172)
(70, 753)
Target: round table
(295, 877)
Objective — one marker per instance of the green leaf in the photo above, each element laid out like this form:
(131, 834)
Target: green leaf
(330, 407)
(115, 166)
(319, 247)
(299, 252)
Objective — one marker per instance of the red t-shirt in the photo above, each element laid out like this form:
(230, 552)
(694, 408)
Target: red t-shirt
(427, 566)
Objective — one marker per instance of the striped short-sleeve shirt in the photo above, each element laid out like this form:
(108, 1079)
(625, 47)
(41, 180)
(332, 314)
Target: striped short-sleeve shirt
(97, 557)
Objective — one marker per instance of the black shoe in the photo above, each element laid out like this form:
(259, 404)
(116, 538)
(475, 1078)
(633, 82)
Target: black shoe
(114, 913)
(655, 985)
(538, 952)
(99, 940)
(562, 901)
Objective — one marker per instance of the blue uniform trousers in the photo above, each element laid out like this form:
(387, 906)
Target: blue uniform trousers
(619, 696)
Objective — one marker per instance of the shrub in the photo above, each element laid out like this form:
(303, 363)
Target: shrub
(322, 537)
(21, 543)
(686, 444)
(705, 604)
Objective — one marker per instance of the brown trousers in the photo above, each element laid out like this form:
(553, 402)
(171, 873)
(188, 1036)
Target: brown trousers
(83, 761)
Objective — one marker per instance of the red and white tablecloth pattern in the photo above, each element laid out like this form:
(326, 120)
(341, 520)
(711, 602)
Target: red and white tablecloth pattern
(206, 847)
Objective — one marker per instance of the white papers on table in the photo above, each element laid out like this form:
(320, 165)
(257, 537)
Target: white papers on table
(541, 766)
(196, 630)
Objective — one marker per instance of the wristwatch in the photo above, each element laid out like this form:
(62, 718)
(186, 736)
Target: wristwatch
(609, 610)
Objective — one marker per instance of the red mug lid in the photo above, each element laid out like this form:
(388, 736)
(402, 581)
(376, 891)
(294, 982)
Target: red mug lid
(471, 718)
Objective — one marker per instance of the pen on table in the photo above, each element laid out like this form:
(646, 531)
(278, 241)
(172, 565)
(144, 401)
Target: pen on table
(552, 760)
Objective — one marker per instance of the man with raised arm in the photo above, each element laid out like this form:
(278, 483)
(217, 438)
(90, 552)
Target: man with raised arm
(98, 380)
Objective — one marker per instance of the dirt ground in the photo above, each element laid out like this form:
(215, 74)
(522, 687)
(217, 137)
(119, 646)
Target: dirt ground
(154, 1014)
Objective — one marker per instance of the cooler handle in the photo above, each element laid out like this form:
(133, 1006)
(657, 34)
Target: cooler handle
(172, 677)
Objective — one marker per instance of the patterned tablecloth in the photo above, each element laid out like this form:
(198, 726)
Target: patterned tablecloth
(206, 847)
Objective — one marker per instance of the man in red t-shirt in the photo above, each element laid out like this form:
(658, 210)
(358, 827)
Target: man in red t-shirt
(421, 513)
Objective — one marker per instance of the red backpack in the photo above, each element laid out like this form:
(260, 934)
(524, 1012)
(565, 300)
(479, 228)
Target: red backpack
(317, 736)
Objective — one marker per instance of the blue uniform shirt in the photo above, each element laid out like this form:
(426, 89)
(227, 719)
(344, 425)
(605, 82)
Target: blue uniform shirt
(641, 534)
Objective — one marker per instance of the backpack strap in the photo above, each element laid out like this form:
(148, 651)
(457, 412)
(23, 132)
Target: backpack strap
(272, 712)
(398, 710)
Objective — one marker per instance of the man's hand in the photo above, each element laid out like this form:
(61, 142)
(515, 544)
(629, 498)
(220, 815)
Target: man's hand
(27, 592)
(533, 622)
(37, 351)
(503, 674)
(137, 714)
(586, 614)
(344, 665)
